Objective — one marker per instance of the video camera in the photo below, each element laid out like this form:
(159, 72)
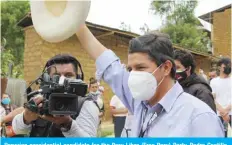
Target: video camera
(60, 95)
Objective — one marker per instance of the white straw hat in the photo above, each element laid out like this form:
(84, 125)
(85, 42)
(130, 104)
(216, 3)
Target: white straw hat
(56, 21)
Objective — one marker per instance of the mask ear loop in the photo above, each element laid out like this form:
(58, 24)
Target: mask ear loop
(156, 69)
(154, 76)
(160, 82)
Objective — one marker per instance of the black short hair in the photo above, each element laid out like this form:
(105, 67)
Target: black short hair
(226, 61)
(63, 59)
(186, 59)
(157, 45)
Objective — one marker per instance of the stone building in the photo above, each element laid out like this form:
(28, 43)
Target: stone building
(220, 30)
(37, 52)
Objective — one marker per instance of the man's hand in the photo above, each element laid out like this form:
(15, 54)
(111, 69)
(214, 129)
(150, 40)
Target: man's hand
(228, 108)
(226, 118)
(223, 112)
(101, 114)
(29, 116)
(57, 119)
(118, 111)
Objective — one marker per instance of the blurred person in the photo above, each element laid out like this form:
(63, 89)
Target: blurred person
(202, 74)
(6, 103)
(221, 86)
(189, 80)
(2, 113)
(119, 112)
(212, 74)
(96, 94)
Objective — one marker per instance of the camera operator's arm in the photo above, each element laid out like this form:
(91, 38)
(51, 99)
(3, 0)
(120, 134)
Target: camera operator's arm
(9, 117)
(86, 123)
(109, 67)
(18, 125)
(22, 122)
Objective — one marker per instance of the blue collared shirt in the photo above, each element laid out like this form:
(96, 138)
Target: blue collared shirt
(183, 114)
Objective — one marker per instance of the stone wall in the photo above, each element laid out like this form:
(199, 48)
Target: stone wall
(202, 62)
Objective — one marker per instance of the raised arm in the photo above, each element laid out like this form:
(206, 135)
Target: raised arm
(90, 43)
(108, 66)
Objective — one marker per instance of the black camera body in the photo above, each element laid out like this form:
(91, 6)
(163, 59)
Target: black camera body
(60, 95)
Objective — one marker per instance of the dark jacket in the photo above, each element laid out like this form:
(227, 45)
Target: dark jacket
(198, 87)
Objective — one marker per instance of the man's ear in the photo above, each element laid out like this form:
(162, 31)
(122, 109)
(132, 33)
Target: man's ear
(188, 71)
(167, 67)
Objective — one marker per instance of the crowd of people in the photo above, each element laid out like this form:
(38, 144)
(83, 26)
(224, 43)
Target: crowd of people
(158, 94)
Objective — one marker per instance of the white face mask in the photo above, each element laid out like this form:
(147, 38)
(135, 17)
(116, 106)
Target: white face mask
(95, 93)
(143, 84)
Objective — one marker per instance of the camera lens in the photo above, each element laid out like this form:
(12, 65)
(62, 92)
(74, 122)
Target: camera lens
(59, 106)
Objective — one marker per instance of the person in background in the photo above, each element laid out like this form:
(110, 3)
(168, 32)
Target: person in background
(96, 94)
(97, 97)
(212, 74)
(101, 90)
(222, 91)
(202, 74)
(190, 81)
(7, 104)
(119, 112)
(8, 107)
(2, 110)
(2, 113)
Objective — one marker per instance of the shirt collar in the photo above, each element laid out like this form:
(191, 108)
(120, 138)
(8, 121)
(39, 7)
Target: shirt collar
(169, 98)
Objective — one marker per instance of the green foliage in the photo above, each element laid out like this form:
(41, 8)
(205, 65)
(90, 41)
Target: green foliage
(162, 7)
(6, 59)
(11, 13)
(181, 24)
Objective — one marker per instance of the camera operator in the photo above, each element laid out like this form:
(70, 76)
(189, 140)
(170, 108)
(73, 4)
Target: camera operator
(84, 125)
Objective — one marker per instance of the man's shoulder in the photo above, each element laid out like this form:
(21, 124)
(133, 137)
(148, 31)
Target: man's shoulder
(190, 104)
(199, 87)
(215, 80)
(90, 106)
(114, 97)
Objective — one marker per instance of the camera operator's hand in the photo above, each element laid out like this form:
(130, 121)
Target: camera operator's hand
(29, 116)
(58, 119)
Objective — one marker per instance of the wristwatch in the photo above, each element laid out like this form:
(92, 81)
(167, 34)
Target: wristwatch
(65, 127)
